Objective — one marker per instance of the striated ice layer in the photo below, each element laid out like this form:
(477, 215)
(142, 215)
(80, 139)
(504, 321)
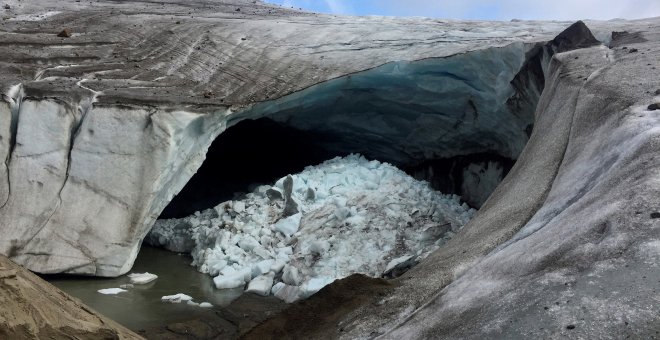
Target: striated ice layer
(344, 216)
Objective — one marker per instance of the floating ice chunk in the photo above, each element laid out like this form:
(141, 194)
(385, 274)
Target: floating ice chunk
(192, 303)
(142, 278)
(288, 226)
(260, 285)
(126, 286)
(111, 291)
(176, 298)
(205, 305)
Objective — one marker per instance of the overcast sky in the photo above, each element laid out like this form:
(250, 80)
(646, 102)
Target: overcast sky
(486, 9)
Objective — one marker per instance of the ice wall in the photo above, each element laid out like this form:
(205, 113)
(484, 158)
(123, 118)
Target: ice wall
(84, 184)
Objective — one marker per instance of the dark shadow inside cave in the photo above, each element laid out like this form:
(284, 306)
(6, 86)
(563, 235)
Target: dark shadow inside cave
(257, 152)
(249, 153)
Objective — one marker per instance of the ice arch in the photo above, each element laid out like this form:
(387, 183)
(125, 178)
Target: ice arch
(459, 122)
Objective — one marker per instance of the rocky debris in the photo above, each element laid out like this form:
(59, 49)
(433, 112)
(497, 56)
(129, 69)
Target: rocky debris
(34, 309)
(176, 298)
(654, 106)
(65, 33)
(6, 6)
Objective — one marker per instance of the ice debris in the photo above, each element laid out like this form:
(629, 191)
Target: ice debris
(111, 291)
(142, 278)
(180, 297)
(176, 298)
(347, 215)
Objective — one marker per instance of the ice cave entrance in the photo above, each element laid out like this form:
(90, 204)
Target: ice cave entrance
(458, 123)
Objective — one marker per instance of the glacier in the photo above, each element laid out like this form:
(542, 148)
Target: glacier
(101, 130)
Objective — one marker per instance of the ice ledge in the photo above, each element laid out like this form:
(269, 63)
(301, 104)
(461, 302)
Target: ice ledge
(85, 189)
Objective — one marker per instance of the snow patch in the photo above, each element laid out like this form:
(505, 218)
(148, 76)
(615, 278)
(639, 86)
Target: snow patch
(111, 291)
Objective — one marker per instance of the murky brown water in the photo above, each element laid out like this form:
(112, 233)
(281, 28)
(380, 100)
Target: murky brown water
(141, 306)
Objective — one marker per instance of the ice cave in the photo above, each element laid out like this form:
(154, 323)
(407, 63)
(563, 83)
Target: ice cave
(456, 124)
(237, 169)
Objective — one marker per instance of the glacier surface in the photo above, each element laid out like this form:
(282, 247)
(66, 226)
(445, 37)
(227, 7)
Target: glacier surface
(100, 130)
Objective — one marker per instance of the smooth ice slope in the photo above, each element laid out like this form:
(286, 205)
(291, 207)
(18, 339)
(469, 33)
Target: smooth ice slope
(351, 215)
(566, 247)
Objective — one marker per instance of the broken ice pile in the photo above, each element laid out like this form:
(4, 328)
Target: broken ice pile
(347, 215)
